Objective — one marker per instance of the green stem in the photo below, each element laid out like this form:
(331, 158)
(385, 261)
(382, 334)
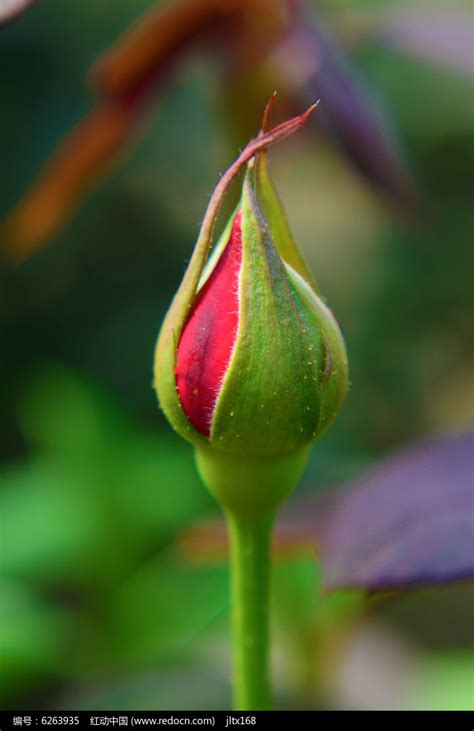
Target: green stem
(250, 542)
(250, 491)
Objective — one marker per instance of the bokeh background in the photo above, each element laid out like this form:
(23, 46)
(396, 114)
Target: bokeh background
(103, 604)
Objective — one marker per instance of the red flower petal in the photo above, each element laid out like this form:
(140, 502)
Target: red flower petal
(208, 337)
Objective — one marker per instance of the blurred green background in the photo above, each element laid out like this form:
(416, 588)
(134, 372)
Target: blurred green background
(99, 607)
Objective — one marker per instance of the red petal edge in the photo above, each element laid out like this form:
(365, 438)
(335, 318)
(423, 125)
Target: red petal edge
(208, 336)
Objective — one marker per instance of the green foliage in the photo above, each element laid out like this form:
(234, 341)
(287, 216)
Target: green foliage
(34, 640)
(86, 522)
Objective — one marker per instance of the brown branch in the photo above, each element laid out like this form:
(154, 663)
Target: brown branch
(124, 78)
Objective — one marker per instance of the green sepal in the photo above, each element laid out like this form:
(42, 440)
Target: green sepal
(260, 404)
(334, 373)
(288, 372)
(274, 213)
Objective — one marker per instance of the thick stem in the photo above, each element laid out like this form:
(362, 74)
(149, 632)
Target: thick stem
(250, 491)
(250, 542)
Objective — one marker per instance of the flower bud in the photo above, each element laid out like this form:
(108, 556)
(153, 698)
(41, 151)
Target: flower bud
(249, 360)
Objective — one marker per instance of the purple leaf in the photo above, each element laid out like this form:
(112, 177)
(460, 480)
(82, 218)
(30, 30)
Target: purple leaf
(314, 67)
(407, 523)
